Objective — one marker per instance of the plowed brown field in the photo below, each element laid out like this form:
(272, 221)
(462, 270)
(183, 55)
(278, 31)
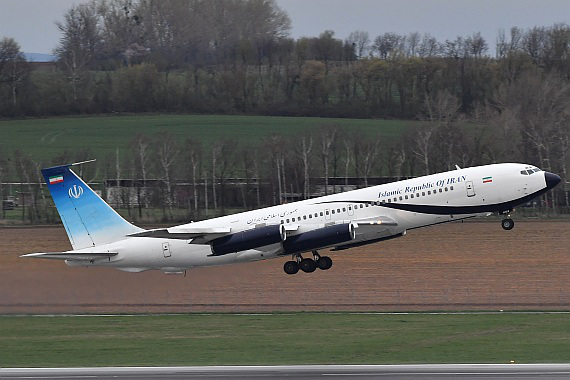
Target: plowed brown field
(458, 266)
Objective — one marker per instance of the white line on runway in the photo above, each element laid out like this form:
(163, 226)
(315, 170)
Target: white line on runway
(290, 314)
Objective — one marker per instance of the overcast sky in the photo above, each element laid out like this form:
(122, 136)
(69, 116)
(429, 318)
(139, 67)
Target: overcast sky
(32, 22)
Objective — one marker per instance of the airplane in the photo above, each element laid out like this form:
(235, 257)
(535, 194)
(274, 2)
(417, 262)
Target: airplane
(99, 236)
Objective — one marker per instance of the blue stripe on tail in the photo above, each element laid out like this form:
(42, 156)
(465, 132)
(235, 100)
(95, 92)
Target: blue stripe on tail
(87, 219)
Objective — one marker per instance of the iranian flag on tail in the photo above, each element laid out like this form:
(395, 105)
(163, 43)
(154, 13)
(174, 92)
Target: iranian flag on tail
(55, 179)
(487, 179)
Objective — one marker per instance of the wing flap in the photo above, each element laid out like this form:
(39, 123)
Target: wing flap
(71, 255)
(383, 221)
(200, 235)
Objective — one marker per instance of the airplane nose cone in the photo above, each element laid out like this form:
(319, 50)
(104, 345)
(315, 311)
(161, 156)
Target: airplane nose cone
(551, 179)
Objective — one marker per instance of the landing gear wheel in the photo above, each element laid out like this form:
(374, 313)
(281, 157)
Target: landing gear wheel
(324, 263)
(308, 265)
(291, 267)
(507, 224)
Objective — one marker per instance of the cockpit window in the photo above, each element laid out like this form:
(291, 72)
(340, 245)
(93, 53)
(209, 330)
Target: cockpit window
(530, 170)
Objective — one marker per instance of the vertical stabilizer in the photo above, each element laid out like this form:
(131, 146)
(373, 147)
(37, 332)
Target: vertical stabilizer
(88, 220)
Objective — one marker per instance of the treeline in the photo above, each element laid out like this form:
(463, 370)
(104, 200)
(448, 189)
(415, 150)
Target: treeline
(237, 57)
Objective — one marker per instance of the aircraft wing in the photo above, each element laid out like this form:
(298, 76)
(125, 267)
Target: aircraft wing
(71, 255)
(198, 235)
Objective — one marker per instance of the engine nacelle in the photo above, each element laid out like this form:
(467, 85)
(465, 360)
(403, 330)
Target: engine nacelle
(319, 238)
(250, 239)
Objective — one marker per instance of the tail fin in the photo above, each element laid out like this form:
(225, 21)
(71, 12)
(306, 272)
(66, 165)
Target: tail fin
(88, 220)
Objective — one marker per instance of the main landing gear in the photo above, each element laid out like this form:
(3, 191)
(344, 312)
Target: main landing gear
(507, 223)
(307, 265)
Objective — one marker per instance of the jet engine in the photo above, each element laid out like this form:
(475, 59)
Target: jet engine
(319, 238)
(249, 239)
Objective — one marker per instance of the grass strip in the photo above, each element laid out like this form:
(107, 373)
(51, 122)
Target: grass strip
(43, 139)
(302, 338)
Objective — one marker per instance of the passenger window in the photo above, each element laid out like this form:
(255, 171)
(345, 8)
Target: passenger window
(406, 197)
(412, 195)
(451, 188)
(338, 210)
(321, 213)
(344, 209)
(318, 214)
(282, 221)
(446, 189)
(361, 206)
(440, 190)
(310, 216)
(367, 205)
(389, 200)
(287, 220)
(332, 212)
(401, 197)
(304, 217)
(395, 199)
(423, 193)
(429, 192)
(418, 195)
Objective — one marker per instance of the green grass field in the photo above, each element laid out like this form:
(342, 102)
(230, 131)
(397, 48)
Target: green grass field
(299, 338)
(43, 139)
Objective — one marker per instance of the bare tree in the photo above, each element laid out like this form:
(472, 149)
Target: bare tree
(360, 40)
(224, 162)
(79, 44)
(193, 151)
(166, 151)
(368, 152)
(140, 145)
(348, 154)
(327, 139)
(13, 66)
(305, 152)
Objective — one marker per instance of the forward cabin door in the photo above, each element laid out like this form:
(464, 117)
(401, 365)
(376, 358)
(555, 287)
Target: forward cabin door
(470, 188)
(166, 249)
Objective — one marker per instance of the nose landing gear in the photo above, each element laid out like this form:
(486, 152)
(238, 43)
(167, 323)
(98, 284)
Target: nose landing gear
(307, 265)
(507, 224)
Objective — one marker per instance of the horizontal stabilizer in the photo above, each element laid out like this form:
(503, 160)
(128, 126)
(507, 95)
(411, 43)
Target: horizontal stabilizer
(201, 234)
(71, 255)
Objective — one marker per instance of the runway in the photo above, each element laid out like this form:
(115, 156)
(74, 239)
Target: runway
(333, 372)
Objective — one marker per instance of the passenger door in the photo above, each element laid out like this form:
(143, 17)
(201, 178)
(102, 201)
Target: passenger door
(470, 188)
(166, 249)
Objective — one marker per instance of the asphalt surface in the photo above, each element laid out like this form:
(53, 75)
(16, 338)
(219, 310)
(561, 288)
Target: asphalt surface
(435, 371)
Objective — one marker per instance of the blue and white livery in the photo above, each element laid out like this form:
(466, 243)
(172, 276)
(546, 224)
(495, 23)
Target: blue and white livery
(101, 237)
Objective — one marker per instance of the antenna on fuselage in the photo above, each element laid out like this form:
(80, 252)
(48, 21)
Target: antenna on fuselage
(457, 167)
(83, 162)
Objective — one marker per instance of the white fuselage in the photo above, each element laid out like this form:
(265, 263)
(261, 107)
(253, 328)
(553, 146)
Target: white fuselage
(413, 203)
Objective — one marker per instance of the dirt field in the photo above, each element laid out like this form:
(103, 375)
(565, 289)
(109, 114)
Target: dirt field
(458, 266)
